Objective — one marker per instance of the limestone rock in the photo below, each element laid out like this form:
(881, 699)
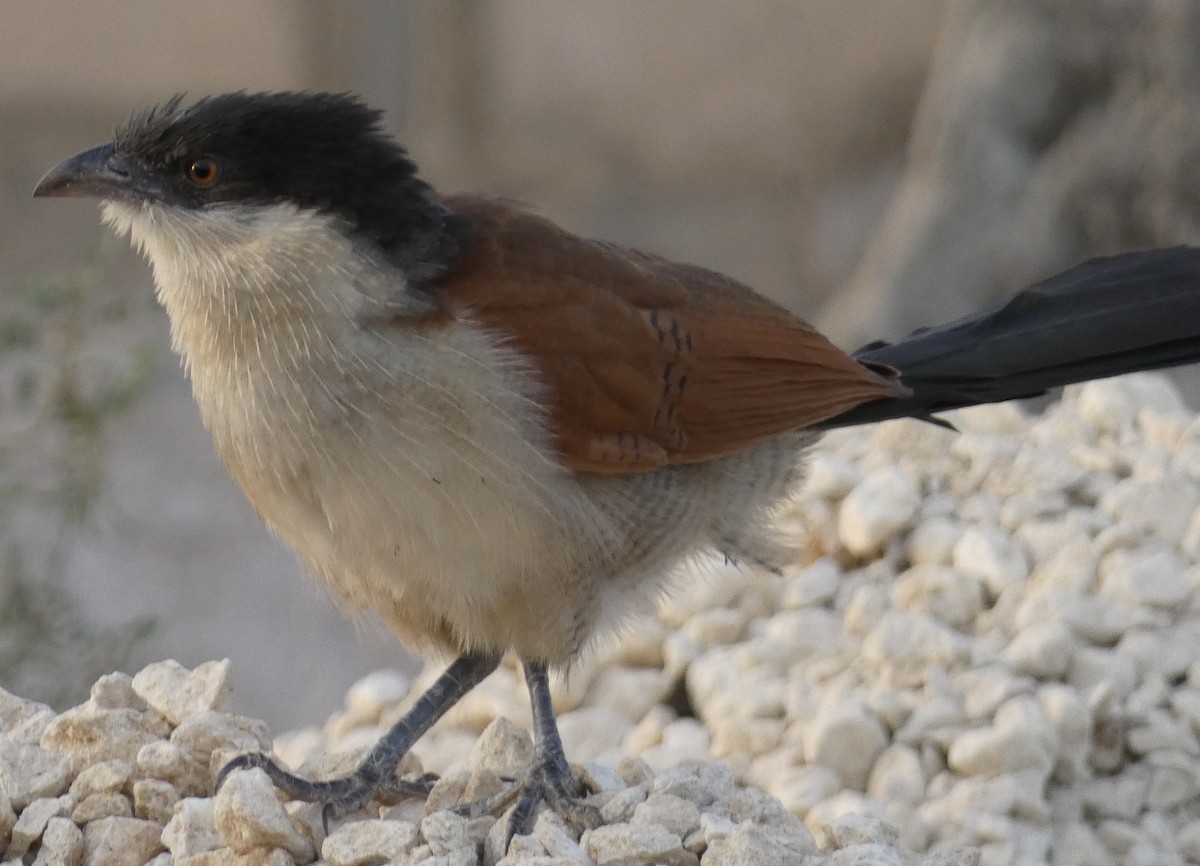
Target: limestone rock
(177, 693)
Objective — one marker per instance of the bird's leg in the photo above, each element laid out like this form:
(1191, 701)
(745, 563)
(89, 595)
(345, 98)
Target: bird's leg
(376, 774)
(549, 777)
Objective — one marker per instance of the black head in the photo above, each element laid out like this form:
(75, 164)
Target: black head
(322, 151)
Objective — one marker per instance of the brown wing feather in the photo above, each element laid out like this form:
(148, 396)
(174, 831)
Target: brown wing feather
(648, 362)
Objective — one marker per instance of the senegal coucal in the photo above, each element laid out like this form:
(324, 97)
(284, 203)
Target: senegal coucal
(504, 437)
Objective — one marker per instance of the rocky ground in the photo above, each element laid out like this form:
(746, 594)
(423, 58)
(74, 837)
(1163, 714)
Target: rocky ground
(988, 650)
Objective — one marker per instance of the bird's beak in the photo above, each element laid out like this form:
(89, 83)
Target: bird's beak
(95, 173)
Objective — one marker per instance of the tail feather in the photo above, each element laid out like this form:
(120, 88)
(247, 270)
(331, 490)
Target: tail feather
(1107, 316)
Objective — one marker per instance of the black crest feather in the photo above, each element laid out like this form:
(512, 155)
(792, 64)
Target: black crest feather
(326, 151)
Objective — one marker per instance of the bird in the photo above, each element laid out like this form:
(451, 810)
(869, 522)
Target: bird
(505, 438)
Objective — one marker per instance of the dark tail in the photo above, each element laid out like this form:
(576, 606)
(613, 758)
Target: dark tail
(1135, 311)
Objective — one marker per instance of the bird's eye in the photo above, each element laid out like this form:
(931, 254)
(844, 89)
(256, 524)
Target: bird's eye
(203, 171)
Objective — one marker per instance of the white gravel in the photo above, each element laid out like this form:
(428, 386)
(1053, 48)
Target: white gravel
(987, 650)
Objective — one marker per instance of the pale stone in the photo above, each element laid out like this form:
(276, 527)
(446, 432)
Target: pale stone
(649, 731)
(1161, 732)
(248, 815)
(504, 747)
(682, 740)
(591, 732)
(519, 849)
(1121, 797)
(629, 844)
(1043, 650)
(192, 829)
(752, 845)
(1078, 845)
(1163, 652)
(32, 821)
(715, 627)
(8, 818)
(30, 772)
(757, 807)
(169, 763)
(896, 776)
(619, 808)
(228, 857)
(205, 731)
(1188, 841)
(992, 555)
(877, 509)
(853, 829)
(1020, 738)
(629, 691)
(846, 738)
(814, 584)
(62, 844)
(950, 595)
(1154, 576)
(633, 771)
(308, 820)
(1107, 405)
(102, 778)
(23, 720)
(1027, 506)
(177, 693)
(986, 688)
(799, 789)
(1186, 703)
(679, 650)
(449, 791)
(154, 800)
(1093, 668)
(550, 830)
(86, 736)
(1161, 510)
(446, 832)
(114, 692)
(1119, 837)
(1069, 565)
(738, 739)
(932, 541)
(830, 476)
(701, 782)
(120, 842)
(1173, 781)
(599, 778)
(107, 804)
(296, 748)
(367, 698)
(364, 843)
(676, 814)
(1072, 721)
(795, 635)
(866, 609)
(905, 645)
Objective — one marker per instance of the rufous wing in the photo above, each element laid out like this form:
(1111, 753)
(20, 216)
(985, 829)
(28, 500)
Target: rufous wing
(647, 362)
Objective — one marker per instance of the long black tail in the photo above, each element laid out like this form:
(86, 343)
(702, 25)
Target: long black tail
(1107, 316)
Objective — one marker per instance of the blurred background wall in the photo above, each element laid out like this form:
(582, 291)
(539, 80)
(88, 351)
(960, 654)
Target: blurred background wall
(869, 163)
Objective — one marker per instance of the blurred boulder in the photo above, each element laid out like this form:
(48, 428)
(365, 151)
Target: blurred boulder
(1049, 131)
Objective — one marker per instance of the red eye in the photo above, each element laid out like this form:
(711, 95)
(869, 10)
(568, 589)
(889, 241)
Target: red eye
(203, 171)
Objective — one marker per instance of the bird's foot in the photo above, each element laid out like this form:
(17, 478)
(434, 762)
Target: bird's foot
(546, 780)
(338, 796)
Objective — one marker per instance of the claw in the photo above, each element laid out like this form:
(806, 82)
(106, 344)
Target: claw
(340, 796)
(560, 789)
(376, 777)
